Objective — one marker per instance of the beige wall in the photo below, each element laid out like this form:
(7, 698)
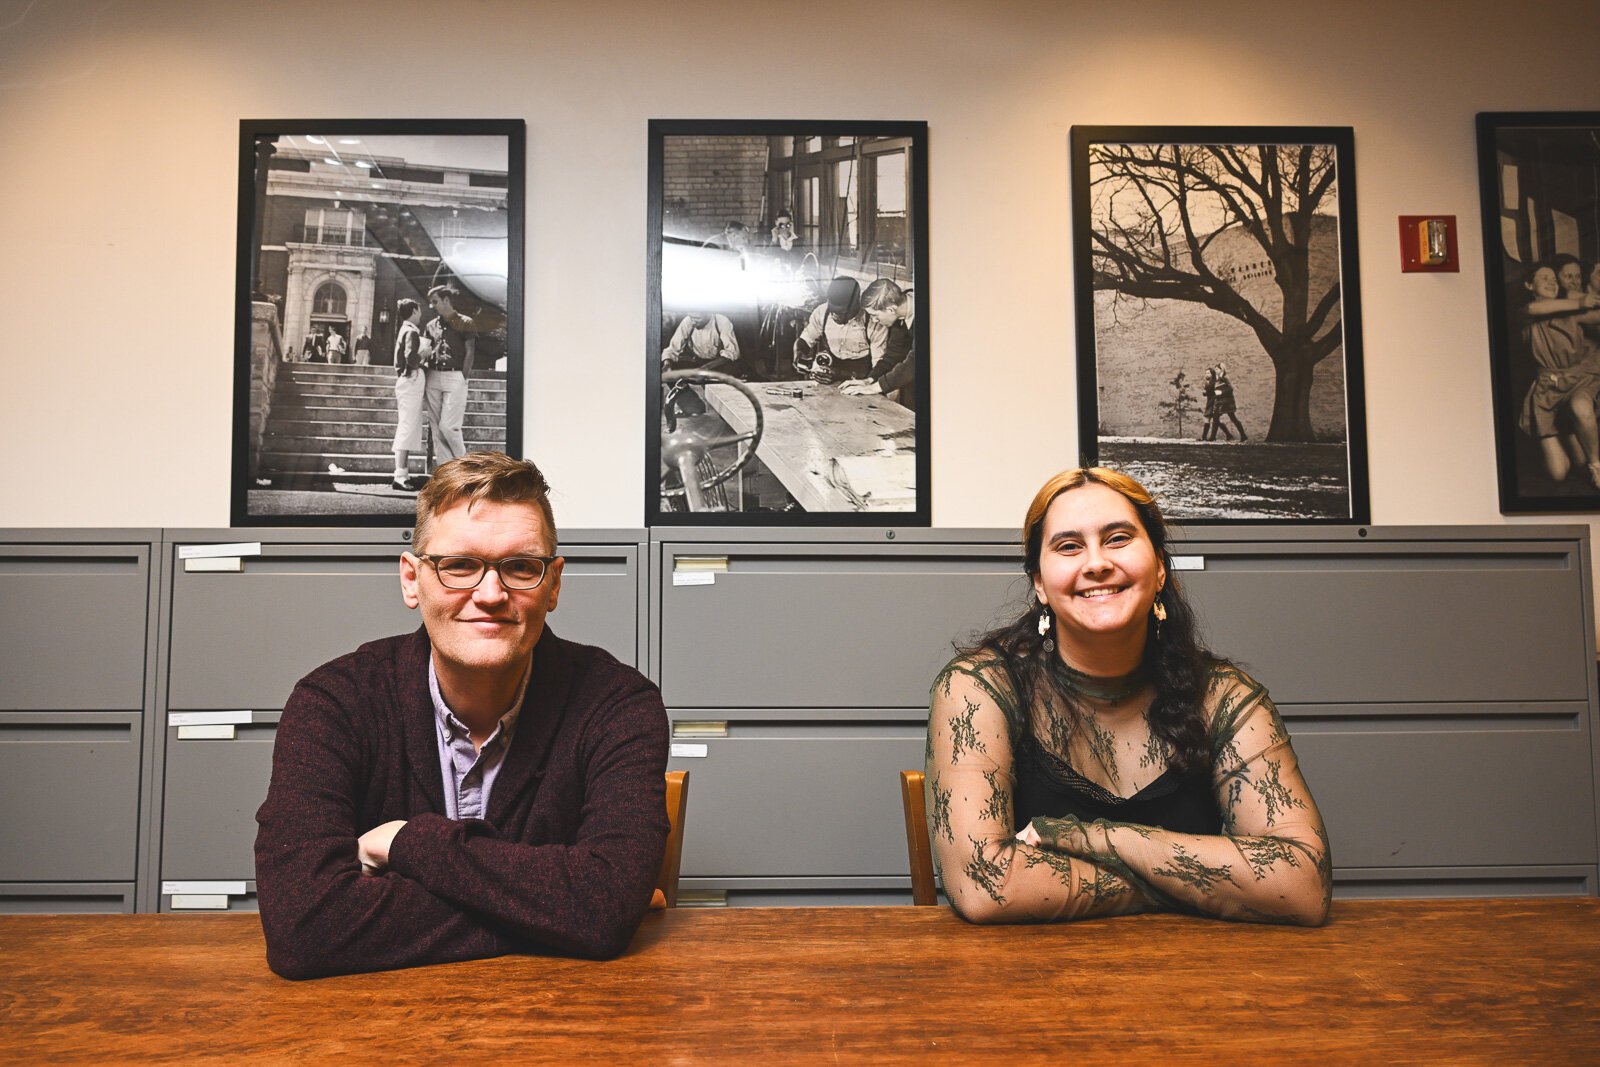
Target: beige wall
(118, 126)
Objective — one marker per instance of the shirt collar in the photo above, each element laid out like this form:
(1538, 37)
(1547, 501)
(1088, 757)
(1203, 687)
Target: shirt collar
(449, 724)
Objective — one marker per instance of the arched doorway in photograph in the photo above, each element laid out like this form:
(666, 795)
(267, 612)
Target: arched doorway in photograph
(329, 315)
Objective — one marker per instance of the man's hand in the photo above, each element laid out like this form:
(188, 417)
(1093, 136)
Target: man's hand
(372, 847)
(861, 387)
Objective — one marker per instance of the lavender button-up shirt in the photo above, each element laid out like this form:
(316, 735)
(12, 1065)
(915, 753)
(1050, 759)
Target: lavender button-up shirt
(469, 773)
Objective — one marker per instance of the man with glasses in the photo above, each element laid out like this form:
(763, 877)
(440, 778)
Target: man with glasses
(478, 787)
(787, 299)
(786, 248)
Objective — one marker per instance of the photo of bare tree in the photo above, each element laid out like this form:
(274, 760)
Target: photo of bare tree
(1218, 318)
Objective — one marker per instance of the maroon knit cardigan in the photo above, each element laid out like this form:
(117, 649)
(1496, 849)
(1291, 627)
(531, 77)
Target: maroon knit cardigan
(564, 863)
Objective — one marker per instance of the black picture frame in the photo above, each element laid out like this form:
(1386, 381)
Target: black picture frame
(340, 219)
(856, 194)
(1539, 185)
(1188, 243)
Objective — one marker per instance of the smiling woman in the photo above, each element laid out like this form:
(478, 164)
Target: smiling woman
(1092, 758)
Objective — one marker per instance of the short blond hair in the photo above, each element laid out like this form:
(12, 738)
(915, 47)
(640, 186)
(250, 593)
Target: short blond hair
(480, 476)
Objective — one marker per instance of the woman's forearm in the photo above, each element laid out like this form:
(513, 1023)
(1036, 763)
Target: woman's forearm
(1005, 881)
(1276, 878)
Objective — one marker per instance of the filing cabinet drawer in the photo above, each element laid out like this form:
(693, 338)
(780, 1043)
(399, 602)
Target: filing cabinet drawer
(1450, 786)
(66, 898)
(62, 601)
(1397, 622)
(796, 800)
(213, 789)
(824, 626)
(69, 791)
(242, 639)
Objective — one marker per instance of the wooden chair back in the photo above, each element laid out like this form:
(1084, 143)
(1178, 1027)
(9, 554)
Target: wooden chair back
(677, 804)
(923, 891)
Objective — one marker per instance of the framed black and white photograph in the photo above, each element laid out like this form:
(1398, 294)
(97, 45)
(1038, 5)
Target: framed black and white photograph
(786, 339)
(1218, 318)
(378, 327)
(1539, 178)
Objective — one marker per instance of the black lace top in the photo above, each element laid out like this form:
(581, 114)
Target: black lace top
(1046, 785)
(1019, 834)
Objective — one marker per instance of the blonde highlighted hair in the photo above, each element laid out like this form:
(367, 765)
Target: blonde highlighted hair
(1076, 477)
(480, 476)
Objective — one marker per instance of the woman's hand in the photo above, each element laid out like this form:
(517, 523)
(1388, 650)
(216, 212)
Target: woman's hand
(1069, 834)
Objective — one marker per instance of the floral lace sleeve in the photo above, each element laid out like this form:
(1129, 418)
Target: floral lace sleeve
(988, 875)
(1271, 863)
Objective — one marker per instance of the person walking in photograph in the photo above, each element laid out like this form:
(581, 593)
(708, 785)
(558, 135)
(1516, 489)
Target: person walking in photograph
(336, 346)
(409, 387)
(445, 396)
(311, 348)
(1226, 405)
(1208, 393)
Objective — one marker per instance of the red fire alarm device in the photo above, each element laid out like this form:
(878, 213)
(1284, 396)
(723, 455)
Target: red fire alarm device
(1428, 244)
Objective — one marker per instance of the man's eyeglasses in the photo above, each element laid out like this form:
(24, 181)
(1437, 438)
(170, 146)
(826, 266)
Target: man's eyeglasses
(465, 572)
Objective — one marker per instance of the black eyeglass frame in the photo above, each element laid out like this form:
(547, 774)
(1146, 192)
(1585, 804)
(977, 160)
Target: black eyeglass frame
(485, 566)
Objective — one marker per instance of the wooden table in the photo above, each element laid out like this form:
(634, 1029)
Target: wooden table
(804, 434)
(1414, 981)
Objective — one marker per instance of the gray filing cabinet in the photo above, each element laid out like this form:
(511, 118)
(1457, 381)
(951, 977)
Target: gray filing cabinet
(1439, 686)
(240, 637)
(795, 666)
(75, 715)
(1438, 683)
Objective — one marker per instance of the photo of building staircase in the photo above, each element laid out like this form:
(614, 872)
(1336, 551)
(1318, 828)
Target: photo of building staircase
(331, 427)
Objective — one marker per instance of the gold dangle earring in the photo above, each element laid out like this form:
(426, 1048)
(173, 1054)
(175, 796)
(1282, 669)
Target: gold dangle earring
(1160, 611)
(1049, 643)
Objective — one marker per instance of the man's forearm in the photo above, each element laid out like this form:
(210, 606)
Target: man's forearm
(322, 916)
(586, 898)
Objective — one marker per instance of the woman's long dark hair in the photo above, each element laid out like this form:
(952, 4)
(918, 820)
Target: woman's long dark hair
(1177, 662)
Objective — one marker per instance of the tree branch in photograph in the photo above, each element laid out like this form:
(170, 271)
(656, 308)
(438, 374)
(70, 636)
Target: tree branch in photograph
(1157, 209)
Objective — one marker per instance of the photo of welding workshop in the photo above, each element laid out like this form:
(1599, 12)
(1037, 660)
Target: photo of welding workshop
(787, 339)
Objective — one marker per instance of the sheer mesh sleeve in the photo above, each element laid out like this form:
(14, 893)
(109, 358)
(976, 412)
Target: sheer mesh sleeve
(988, 875)
(1271, 863)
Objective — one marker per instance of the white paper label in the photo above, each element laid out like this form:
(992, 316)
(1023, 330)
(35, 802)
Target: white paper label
(214, 564)
(238, 548)
(225, 888)
(198, 902)
(1188, 563)
(205, 733)
(694, 577)
(206, 718)
(690, 751)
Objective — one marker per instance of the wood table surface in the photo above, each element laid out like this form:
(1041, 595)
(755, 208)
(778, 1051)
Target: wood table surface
(1385, 981)
(803, 434)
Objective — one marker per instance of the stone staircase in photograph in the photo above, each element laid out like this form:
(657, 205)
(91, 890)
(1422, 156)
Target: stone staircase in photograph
(334, 423)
